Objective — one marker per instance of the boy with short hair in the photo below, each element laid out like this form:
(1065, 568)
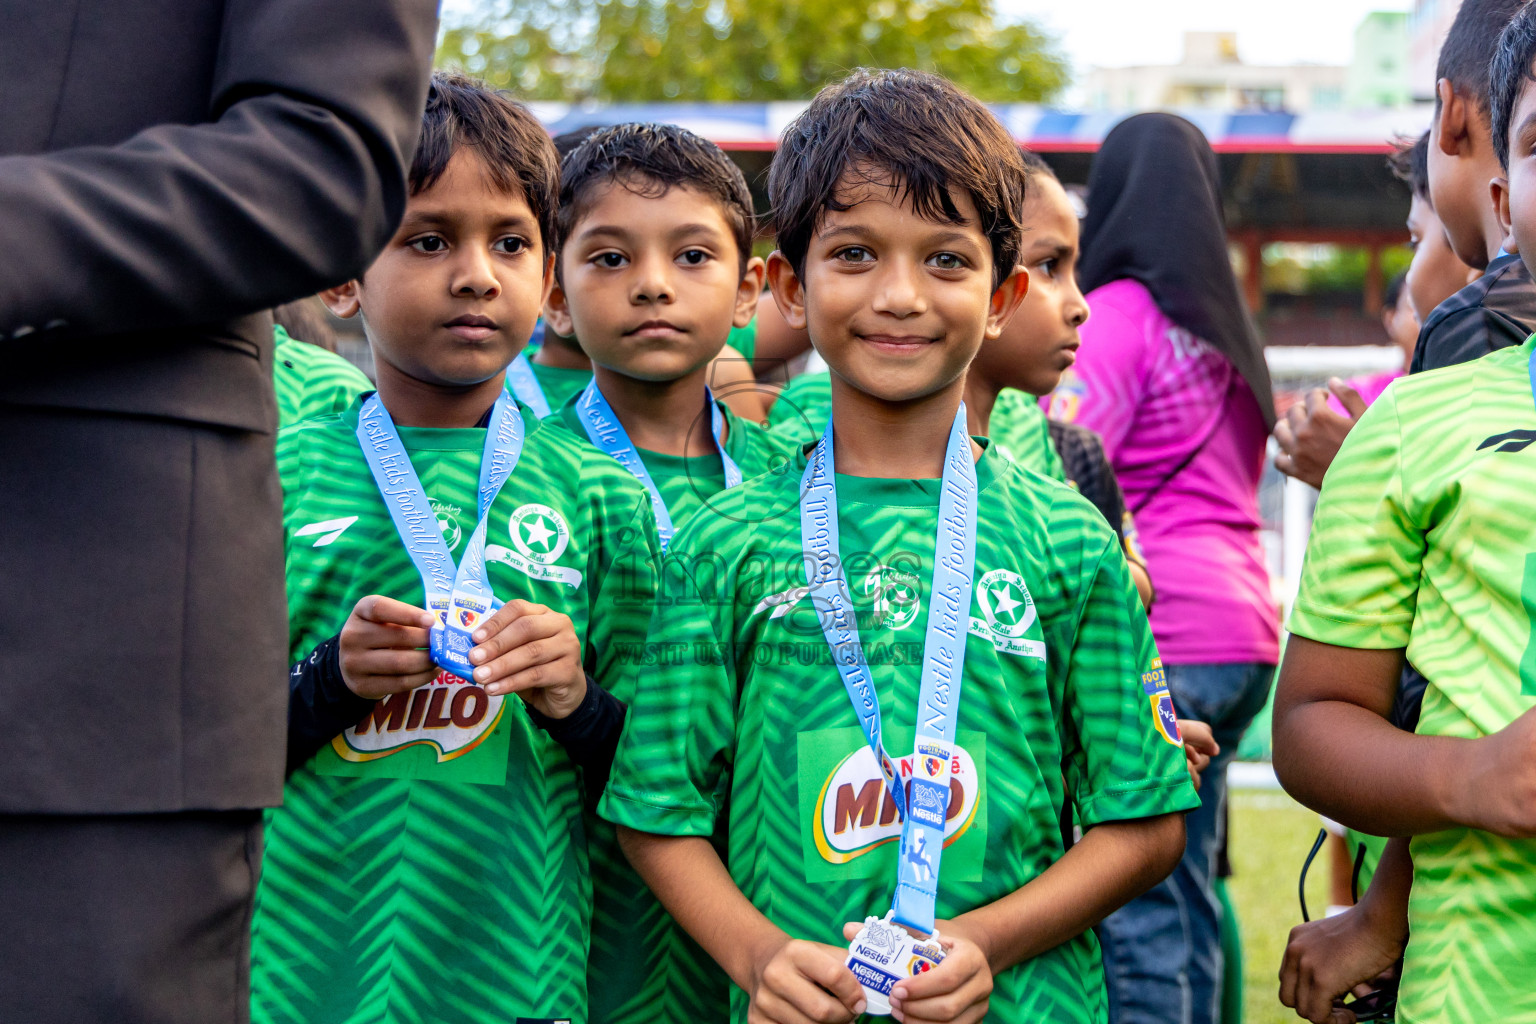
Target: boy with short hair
(1498, 309)
(898, 202)
(1422, 547)
(654, 270)
(429, 861)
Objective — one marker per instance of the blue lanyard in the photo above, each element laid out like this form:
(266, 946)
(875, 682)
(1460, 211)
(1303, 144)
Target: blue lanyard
(608, 434)
(949, 608)
(525, 386)
(459, 596)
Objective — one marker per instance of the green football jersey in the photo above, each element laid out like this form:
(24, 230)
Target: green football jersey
(667, 978)
(744, 340)
(560, 383)
(1424, 540)
(735, 688)
(430, 863)
(1017, 424)
(310, 381)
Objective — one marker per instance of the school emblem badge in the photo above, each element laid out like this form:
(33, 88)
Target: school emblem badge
(1009, 618)
(539, 536)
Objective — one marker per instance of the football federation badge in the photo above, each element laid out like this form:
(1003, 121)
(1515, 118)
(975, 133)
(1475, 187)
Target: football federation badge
(882, 954)
(1154, 682)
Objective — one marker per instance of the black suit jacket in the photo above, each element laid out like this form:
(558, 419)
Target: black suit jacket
(168, 170)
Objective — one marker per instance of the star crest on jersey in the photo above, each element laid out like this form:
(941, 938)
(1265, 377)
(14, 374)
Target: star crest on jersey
(1006, 603)
(539, 533)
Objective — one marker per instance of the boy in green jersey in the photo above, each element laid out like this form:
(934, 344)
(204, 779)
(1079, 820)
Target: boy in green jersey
(1422, 548)
(654, 269)
(898, 202)
(429, 862)
(310, 381)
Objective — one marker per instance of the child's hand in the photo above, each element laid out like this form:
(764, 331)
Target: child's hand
(1327, 959)
(958, 991)
(805, 981)
(525, 648)
(383, 647)
(1199, 746)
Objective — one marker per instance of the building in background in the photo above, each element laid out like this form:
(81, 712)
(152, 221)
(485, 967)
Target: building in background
(1379, 70)
(1427, 29)
(1212, 75)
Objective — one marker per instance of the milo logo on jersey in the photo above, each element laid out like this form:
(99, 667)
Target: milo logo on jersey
(445, 731)
(1067, 399)
(850, 823)
(1154, 682)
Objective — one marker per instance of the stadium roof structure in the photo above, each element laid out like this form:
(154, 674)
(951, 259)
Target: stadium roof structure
(757, 126)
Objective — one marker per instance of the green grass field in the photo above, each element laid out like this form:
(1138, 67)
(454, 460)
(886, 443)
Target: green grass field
(1269, 839)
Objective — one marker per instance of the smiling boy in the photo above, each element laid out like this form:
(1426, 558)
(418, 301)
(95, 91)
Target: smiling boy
(429, 860)
(655, 269)
(898, 201)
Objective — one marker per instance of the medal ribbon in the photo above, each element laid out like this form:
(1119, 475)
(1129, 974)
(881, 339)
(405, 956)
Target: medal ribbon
(608, 434)
(457, 596)
(525, 387)
(924, 808)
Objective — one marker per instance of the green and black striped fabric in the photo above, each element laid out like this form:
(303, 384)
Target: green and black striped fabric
(431, 864)
(739, 713)
(1424, 539)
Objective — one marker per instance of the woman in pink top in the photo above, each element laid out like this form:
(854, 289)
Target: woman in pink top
(1171, 374)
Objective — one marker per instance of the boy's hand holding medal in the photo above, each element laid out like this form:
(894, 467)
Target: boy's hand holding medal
(527, 649)
(944, 977)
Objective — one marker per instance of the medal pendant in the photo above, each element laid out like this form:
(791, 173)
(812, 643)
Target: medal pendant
(882, 954)
(452, 643)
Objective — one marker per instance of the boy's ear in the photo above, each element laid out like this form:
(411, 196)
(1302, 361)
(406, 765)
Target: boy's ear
(344, 300)
(1498, 188)
(1006, 301)
(788, 290)
(749, 291)
(549, 276)
(1450, 119)
(557, 309)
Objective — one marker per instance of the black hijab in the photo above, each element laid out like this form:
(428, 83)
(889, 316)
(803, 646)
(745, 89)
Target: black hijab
(1154, 215)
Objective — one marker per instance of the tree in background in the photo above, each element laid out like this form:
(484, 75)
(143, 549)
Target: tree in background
(744, 50)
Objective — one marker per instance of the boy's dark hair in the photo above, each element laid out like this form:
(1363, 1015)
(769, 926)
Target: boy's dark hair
(649, 160)
(1469, 48)
(914, 130)
(510, 141)
(1507, 75)
(1393, 292)
(1410, 165)
(567, 141)
(1034, 164)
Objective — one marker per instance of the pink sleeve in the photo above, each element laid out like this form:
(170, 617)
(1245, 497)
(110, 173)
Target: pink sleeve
(1110, 374)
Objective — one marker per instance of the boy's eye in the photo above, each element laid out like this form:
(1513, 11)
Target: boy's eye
(694, 257)
(947, 261)
(430, 243)
(511, 245)
(855, 254)
(610, 260)
(1049, 266)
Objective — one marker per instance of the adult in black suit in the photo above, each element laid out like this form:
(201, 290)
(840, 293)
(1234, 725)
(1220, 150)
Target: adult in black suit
(170, 169)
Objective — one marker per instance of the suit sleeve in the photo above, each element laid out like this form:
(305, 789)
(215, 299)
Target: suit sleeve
(294, 182)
